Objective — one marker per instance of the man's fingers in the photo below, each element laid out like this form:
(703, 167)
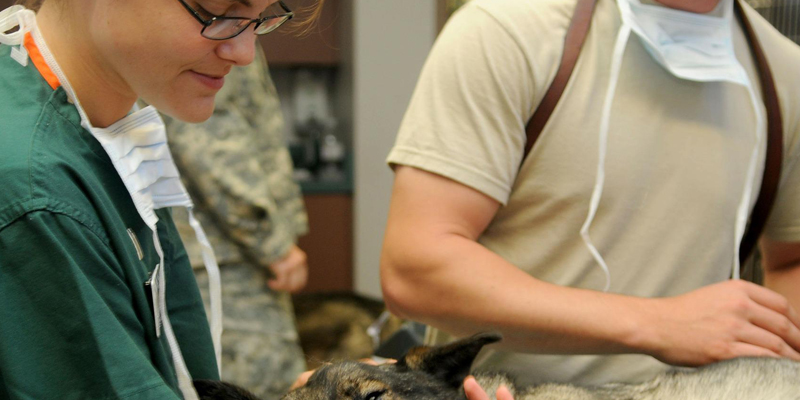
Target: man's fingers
(291, 272)
(282, 277)
(777, 324)
(759, 342)
(750, 350)
(298, 278)
(774, 302)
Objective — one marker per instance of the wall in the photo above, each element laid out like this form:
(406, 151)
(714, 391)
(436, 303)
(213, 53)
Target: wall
(390, 40)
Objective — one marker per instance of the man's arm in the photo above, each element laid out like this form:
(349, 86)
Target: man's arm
(433, 270)
(781, 264)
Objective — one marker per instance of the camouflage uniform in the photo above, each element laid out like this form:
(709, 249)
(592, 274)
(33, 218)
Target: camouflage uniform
(238, 170)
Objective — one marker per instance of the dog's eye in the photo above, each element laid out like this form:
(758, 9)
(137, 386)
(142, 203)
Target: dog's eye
(376, 395)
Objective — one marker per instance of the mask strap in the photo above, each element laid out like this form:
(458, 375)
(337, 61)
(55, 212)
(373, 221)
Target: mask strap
(743, 211)
(597, 193)
(15, 16)
(182, 373)
(214, 285)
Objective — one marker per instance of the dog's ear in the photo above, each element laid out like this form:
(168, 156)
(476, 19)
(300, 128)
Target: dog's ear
(449, 363)
(216, 390)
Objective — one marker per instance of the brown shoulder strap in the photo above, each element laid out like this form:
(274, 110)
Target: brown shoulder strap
(573, 43)
(772, 166)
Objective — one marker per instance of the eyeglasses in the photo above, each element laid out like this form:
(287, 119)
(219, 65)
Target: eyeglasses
(222, 27)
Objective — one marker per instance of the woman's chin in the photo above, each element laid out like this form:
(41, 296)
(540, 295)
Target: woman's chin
(193, 112)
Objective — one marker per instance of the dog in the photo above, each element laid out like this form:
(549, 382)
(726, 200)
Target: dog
(437, 373)
(333, 326)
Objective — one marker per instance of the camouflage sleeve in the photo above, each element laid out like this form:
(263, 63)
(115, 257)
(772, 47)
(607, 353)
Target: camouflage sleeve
(238, 169)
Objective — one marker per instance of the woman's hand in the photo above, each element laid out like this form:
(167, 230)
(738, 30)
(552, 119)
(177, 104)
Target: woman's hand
(475, 392)
(302, 379)
(291, 272)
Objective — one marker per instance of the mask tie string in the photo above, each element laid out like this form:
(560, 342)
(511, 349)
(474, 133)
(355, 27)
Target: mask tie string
(597, 193)
(181, 371)
(214, 285)
(743, 211)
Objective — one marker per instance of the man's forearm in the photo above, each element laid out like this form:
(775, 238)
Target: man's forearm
(461, 287)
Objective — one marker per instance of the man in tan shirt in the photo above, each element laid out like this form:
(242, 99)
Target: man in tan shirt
(475, 242)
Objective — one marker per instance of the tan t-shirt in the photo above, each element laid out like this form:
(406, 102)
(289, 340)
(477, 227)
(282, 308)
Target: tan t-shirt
(675, 169)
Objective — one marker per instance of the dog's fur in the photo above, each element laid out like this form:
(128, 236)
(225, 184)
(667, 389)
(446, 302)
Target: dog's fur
(437, 373)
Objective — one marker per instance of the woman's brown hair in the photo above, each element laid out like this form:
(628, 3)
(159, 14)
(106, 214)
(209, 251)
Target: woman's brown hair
(308, 15)
(31, 4)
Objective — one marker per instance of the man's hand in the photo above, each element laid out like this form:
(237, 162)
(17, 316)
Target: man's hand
(291, 272)
(722, 321)
(475, 392)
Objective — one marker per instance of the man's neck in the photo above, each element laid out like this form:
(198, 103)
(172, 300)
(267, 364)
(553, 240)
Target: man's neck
(696, 6)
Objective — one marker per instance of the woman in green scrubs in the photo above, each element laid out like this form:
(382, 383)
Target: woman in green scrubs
(79, 314)
(97, 297)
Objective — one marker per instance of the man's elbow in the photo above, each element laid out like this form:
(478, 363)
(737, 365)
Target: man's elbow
(402, 292)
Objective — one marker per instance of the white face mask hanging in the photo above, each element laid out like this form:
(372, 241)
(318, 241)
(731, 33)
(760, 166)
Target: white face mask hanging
(692, 47)
(138, 149)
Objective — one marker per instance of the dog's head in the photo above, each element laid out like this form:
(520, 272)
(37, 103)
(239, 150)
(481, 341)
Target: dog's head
(425, 373)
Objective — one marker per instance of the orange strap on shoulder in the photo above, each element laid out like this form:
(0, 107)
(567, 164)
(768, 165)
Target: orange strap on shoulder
(39, 63)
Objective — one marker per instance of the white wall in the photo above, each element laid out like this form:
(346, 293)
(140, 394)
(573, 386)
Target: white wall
(391, 39)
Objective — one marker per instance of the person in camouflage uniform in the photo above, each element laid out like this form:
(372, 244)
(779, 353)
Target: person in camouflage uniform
(238, 171)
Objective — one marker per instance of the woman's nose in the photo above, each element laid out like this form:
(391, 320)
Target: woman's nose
(239, 50)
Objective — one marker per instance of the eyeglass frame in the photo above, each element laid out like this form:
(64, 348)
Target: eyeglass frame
(258, 21)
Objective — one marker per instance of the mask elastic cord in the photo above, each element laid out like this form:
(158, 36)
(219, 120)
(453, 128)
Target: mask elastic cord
(597, 193)
(214, 286)
(14, 16)
(181, 371)
(743, 211)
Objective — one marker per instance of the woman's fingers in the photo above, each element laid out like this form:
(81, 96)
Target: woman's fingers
(302, 379)
(504, 394)
(474, 391)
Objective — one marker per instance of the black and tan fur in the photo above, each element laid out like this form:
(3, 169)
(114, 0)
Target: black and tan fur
(437, 374)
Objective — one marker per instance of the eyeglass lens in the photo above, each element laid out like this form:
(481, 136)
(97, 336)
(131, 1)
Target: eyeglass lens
(227, 27)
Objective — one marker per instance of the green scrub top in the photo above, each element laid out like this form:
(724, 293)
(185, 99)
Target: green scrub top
(75, 321)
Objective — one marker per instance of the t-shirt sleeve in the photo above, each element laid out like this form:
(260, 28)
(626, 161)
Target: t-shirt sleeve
(466, 119)
(784, 220)
(69, 329)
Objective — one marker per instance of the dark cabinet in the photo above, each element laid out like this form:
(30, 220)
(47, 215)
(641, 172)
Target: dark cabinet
(329, 242)
(288, 47)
